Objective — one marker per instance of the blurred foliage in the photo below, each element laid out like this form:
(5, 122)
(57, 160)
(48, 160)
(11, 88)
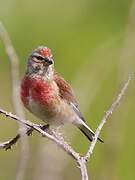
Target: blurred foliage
(93, 46)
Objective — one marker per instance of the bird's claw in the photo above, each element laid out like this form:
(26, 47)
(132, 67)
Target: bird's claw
(44, 127)
(29, 132)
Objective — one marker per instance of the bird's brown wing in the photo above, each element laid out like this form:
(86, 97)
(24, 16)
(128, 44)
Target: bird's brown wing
(67, 93)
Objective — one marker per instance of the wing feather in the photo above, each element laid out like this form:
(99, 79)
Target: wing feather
(67, 94)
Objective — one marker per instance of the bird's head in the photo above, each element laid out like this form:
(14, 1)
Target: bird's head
(40, 62)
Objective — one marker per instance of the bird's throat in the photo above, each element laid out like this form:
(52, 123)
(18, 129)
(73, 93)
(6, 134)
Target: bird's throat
(49, 72)
(44, 72)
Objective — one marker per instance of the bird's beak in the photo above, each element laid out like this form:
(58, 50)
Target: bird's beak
(49, 61)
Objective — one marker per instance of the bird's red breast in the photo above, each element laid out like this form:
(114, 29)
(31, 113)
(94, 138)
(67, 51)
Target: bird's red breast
(40, 91)
(25, 86)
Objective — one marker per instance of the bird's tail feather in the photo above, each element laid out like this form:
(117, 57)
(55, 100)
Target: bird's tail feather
(87, 132)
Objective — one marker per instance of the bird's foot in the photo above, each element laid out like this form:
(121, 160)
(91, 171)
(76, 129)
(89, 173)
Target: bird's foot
(44, 127)
(29, 131)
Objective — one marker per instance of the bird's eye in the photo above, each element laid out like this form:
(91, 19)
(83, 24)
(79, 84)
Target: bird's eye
(39, 57)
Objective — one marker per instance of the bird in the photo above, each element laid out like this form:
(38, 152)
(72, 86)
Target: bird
(46, 94)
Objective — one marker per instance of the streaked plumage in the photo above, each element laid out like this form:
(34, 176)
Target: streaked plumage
(47, 95)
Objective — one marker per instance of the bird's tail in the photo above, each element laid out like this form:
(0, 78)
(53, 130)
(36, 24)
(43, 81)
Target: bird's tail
(87, 132)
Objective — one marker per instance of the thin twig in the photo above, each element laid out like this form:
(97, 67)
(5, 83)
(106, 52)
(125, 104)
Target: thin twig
(83, 169)
(53, 137)
(14, 63)
(8, 144)
(104, 119)
(36, 127)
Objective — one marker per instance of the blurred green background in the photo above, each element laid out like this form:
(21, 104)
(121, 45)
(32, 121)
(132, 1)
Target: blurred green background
(93, 42)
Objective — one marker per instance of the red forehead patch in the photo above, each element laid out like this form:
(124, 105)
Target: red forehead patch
(44, 51)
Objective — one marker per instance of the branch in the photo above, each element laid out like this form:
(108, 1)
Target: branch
(104, 119)
(14, 64)
(36, 127)
(8, 144)
(53, 136)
